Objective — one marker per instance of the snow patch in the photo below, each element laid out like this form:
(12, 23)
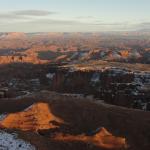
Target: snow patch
(2, 116)
(28, 108)
(9, 141)
(50, 75)
(72, 70)
(74, 95)
(96, 77)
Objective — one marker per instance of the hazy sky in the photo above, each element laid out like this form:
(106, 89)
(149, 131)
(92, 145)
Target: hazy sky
(73, 15)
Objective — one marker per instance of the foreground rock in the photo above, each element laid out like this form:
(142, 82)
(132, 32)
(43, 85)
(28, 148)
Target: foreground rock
(75, 123)
(37, 116)
(102, 139)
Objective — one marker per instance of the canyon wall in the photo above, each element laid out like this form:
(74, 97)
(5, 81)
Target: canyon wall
(113, 85)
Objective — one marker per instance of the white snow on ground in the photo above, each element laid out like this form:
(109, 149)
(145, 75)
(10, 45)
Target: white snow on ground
(72, 69)
(9, 141)
(23, 94)
(50, 75)
(28, 108)
(2, 116)
(96, 77)
(73, 95)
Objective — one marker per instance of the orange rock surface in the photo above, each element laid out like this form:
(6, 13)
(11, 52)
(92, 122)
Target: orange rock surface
(124, 53)
(102, 139)
(36, 117)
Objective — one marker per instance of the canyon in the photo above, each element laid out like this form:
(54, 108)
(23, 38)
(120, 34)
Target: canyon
(85, 91)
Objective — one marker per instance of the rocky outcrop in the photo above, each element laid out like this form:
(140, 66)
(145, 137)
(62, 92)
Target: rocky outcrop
(102, 139)
(113, 85)
(36, 117)
(118, 84)
(95, 122)
(40, 118)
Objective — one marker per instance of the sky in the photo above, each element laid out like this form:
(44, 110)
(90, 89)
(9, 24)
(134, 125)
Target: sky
(74, 15)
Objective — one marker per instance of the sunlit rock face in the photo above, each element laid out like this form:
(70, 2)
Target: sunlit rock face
(37, 116)
(102, 139)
